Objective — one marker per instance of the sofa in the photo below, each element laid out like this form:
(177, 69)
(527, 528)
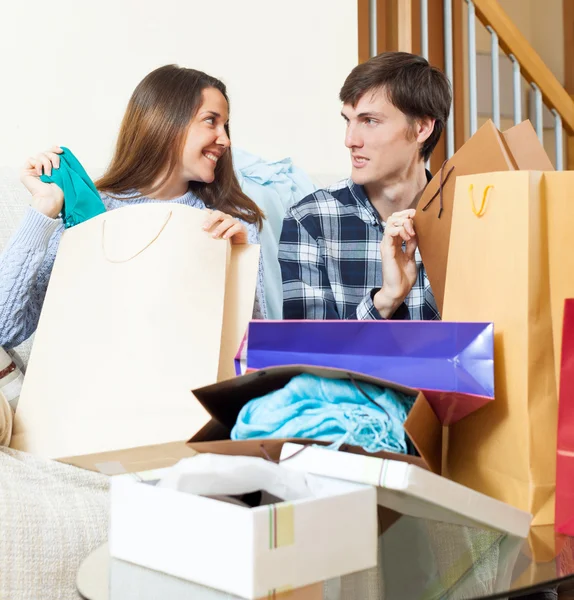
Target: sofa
(54, 515)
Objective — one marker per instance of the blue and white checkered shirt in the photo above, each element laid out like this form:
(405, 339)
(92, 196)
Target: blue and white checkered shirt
(331, 260)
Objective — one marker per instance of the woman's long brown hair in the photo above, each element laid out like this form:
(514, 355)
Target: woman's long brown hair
(151, 139)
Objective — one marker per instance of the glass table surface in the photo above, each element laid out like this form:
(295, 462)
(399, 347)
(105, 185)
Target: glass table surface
(417, 559)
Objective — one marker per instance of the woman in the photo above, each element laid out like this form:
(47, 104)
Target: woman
(173, 146)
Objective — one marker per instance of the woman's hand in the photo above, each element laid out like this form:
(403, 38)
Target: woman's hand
(220, 225)
(47, 198)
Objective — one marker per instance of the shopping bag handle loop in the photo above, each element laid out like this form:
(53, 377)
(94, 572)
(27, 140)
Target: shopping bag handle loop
(125, 260)
(439, 192)
(480, 212)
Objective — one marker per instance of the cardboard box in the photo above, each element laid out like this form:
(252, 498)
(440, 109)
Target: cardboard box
(250, 552)
(224, 400)
(410, 490)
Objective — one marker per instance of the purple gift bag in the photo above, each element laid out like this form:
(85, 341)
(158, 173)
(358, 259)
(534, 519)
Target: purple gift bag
(451, 363)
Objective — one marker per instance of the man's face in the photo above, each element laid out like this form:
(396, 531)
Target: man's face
(382, 142)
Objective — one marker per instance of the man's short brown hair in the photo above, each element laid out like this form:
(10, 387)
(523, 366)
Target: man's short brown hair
(411, 85)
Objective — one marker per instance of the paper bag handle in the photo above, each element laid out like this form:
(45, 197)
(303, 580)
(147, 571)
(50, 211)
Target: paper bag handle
(125, 260)
(482, 210)
(439, 192)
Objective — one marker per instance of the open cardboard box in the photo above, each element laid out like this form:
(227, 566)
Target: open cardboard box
(224, 400)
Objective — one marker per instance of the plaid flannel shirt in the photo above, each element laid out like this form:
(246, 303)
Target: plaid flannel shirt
(331, 262)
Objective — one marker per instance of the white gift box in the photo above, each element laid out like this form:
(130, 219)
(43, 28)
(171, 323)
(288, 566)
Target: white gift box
(327, 531)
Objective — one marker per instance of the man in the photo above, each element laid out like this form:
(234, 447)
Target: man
(350, 251)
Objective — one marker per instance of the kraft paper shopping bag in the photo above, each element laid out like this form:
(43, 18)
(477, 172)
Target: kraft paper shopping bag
(498, 270)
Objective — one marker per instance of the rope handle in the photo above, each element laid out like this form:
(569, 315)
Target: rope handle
(480, 212)
(125, 260)
(443, 179)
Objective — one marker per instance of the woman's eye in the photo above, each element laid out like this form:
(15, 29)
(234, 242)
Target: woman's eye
(210, 120)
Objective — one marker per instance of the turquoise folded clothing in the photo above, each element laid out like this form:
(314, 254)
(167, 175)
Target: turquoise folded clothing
(339, 411)
(81, 198)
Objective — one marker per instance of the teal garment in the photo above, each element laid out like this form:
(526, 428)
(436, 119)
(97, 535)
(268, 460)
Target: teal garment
(81, 198)
(334, 410)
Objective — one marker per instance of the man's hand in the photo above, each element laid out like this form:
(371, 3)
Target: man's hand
(399, 266)
(47, 198)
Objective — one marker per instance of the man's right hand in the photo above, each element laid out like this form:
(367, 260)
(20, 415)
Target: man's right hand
(399, 267)
(47, 198)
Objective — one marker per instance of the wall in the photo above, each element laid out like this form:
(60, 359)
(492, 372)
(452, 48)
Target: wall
(69, 68)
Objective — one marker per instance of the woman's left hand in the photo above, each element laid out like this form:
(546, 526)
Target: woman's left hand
(222, 226)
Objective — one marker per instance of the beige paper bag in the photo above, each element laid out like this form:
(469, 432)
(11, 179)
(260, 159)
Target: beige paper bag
(241, 280)
(498, 271)
(136, 310)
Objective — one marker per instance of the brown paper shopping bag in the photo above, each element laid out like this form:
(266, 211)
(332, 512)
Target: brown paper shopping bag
(141, 308)
(486, 151)
(498, 271)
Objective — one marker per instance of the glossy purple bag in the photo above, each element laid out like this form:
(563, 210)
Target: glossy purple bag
(451, 363)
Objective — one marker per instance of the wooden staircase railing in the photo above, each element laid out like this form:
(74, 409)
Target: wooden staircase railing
(398, 25)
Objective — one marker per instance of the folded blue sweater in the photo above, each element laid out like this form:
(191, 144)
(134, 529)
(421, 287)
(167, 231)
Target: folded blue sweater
(330, 410)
